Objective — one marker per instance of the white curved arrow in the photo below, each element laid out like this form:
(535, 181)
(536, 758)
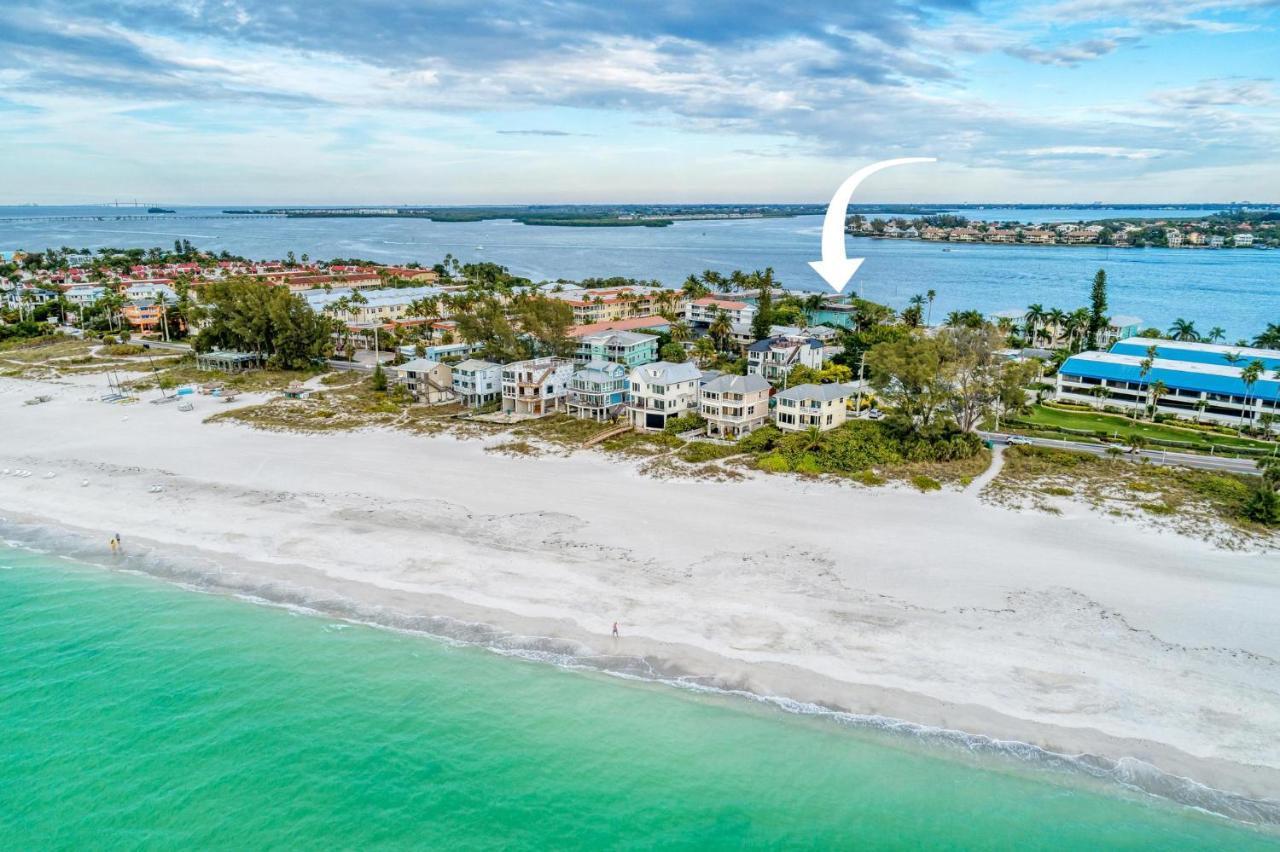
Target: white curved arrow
(835, 267)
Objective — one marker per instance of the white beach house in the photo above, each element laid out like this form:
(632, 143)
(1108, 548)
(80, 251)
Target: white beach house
(477, 383)
(661, 391)
(537, 387)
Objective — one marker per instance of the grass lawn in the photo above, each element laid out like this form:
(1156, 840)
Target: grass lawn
(1124, 427)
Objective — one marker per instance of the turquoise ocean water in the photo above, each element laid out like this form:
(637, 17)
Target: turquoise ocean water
(137, 714)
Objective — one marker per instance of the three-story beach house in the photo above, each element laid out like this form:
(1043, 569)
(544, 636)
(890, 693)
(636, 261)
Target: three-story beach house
(775, 357)
(477, 383)
(661, 391)
(537, 387)
(426, 381)
(598, 391)
(734, 405)
(628, 348)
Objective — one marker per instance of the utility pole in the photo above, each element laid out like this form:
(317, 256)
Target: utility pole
(862, 369)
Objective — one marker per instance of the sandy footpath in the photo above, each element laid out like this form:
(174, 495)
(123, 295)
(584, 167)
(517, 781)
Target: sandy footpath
(1077, 633)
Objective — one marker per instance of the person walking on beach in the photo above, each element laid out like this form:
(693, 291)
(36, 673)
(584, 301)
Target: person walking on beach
(114, 544)
(615, 630)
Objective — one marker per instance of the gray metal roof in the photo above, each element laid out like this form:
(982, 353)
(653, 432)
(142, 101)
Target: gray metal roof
(666, 372)
(730, 383)
(810, 391)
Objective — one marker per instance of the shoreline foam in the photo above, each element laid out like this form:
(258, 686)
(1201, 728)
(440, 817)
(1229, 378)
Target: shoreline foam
(1129, 773)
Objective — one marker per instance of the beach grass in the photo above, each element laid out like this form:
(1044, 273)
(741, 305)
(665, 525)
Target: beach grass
(1199, 503)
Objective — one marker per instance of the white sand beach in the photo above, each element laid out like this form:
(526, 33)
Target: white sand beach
(1077, 633)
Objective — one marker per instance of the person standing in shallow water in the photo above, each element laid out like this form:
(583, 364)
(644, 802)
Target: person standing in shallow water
(615, 630)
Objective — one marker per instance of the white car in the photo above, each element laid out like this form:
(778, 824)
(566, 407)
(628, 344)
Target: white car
(1017, 440)
(875, 414)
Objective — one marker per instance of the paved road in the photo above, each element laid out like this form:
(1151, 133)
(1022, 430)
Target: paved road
(1230, 465)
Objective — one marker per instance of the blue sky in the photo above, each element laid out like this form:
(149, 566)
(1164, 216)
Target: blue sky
(484, 101)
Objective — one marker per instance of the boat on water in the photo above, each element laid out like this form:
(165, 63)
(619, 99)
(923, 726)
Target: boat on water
(160, 210)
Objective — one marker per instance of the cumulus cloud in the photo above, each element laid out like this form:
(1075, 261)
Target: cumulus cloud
(776, 80)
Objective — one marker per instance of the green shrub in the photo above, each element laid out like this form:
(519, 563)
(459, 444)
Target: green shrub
(684, 423)
(774, 463)
(699, 452)
(122, 350)
(1263, 507)
(926, 483)
(807, 465)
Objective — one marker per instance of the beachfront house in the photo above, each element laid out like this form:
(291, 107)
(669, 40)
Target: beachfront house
(1118, 328)
(426, 381)
(477, 383)
(84, 295)
(537, 387)
(1242, 240)
(661, 391)
(1193, 381)
(734, 405)
(598, 391)
(774, 358)
(806, 406)
(628, 348)
(702, 312)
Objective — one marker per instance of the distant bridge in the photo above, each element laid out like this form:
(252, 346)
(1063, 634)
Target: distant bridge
(140, 217)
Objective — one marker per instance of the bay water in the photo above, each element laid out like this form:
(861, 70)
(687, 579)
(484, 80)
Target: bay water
(1236, 289)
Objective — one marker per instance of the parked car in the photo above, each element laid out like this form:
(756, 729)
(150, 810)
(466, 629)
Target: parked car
(875, 414)
(1017, 440)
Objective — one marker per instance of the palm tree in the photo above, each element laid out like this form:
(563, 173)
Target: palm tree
(694, 288)
(716, 280)
(720, 329)
(1183, 330)
(813, 303)
(930, 295)
(1233, 358)
(1076, 322)
(1270, 338)
(1215, 334)
(1253, 371)
(1157, 390)
(680, 331)
(1056, 318)
(1145, 367)
(1103, 393)
(1033, 318)
(704, 351)
(162, 302)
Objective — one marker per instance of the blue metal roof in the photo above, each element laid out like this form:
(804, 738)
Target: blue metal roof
(1202, 378)
(1196, 353)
